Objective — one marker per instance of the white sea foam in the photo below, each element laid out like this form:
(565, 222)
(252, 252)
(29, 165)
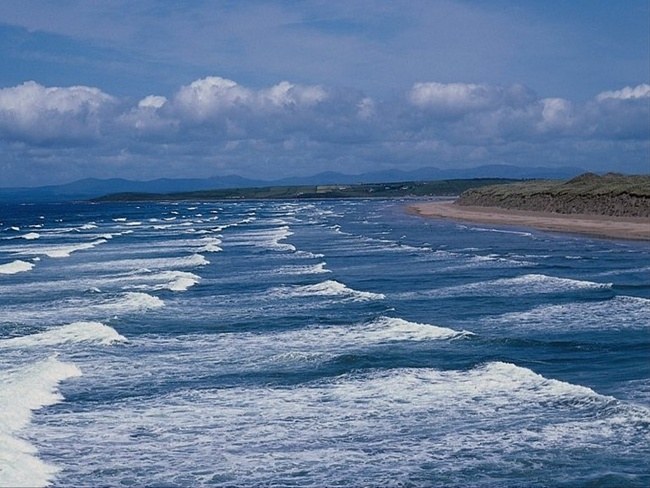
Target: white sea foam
(171, 280)
(521, 285)
(499, 231)
(62, 251)
(304, 269)
(330, 288)
(641, 269)
(90, 307)
(620, 312)
(395, 329)
(135, 264)
(133, 301)
(22, 391)
(265, 238)
(88, 226)
(120, 219)
(387, 423)
(75, 332)
(308, 254)
(333, 340)
(209, 244)
(14, 267)
(31, 236)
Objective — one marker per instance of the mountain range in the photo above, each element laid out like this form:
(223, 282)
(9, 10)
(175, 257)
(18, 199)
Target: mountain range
(93, 187)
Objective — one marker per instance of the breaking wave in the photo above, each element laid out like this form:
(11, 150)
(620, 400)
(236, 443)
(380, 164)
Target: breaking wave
(22, 391)
(75, 332)
(330, 288)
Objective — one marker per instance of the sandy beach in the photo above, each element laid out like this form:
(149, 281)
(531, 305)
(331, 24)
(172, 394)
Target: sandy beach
(594, 225)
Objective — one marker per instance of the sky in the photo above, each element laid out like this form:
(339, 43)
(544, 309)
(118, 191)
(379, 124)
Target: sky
(269, 89)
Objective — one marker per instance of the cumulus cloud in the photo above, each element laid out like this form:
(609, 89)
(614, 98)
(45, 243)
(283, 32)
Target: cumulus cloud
(286, 94)
(556, 115)
(457, 99)
(150, 117)
(213, 96)
(216, 125)
(209, 96)
(36, 113)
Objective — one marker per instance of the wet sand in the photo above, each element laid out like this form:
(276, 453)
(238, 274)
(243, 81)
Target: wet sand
(595, 225)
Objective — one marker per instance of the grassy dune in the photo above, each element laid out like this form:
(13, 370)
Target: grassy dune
(589, 194)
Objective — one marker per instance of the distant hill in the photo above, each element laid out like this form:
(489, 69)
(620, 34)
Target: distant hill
(93, 187)
(364, 190)
(612, 194)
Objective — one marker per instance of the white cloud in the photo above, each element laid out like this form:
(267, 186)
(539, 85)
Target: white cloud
(212, 97)
(286, 94)
(39, 113)
(627, 93)
(290, 128)
(453, 98)
(208, 96)
(557, 114)
(152, 101)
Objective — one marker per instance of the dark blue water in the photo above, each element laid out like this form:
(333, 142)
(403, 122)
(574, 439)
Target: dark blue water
(333, 343)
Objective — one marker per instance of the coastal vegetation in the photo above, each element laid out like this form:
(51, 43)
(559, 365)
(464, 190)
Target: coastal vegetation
(611, 194)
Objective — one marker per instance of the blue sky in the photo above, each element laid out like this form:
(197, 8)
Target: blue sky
(162, 88)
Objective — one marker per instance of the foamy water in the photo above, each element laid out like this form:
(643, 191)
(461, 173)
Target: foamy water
(17, 266)
(320, 343)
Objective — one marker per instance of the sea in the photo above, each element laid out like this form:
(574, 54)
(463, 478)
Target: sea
(316, 343)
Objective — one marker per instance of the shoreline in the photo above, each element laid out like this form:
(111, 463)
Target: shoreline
(630, 228)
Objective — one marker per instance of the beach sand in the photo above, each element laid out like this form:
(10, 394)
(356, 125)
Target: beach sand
(595, 225)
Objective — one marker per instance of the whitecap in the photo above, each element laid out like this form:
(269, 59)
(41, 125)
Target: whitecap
(14, 267)
(23, 390)
(396, 329)
(520, 285)
(266, 238)
(75, 332)
(304, 269)
(31, 236)
(620, 312)
(327, 288)
(62, 251)
(133, 301)
(135, 264)
(209, 244)
(172, 280)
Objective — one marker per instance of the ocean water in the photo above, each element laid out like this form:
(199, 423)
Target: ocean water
(316, 343)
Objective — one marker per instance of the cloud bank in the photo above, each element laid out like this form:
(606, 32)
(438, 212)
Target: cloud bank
(215, 125)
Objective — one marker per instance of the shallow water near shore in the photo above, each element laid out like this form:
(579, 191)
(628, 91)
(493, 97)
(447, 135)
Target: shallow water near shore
(316, 343)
